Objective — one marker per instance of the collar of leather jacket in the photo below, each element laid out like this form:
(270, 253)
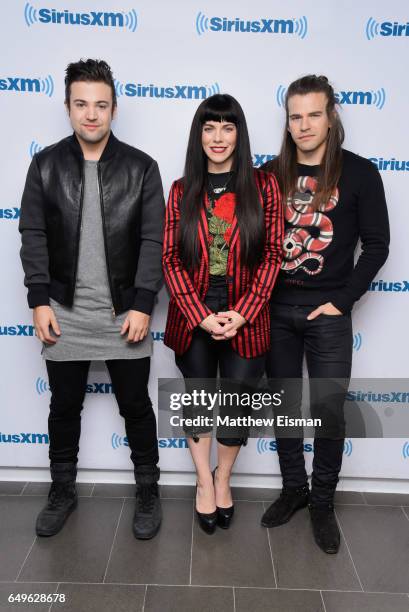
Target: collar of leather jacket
(111, 147)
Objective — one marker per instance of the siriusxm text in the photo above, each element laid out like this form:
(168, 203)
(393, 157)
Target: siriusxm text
(262, 26)
(93, 18)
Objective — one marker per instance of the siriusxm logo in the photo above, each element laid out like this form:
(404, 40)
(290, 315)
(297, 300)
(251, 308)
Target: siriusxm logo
(9, 213)
(172, 443)
(293, 26)
(177, 92)
(375, 98)
(42, 386)
(117, 441)
(265, 445)
(392, 164)
(392, 397)
(24, 438)
(261, 158)
(385, 28)
(158, 336)
(28, 85)
(395, 286)
(17, 330)
(348, 448)
(357, 341)
(102, 19)
(34, 148)
(405, 450)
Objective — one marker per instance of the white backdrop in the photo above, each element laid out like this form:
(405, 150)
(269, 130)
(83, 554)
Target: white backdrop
(186, 47)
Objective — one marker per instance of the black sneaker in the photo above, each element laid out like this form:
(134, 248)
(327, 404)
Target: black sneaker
(148, 511)
(325, 528)
(62, 500)
(285, 506)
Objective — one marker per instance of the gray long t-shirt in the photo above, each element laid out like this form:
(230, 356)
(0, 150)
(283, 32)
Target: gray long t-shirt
(89, 330)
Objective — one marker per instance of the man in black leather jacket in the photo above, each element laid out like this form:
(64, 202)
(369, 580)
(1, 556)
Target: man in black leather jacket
(91, 224)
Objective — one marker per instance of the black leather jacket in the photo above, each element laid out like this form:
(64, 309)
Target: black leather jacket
(132, 207)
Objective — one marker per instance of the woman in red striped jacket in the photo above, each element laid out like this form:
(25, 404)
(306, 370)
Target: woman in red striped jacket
(222, 253)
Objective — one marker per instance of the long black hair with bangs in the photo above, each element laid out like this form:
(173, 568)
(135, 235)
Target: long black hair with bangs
(223, 108)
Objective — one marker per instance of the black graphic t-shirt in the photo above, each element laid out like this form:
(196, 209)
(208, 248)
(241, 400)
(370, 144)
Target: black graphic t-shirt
(319, 245)
(220, 214)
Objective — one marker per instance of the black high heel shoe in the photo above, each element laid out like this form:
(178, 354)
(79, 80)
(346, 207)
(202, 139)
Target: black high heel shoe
(224, 515)
(208, 521)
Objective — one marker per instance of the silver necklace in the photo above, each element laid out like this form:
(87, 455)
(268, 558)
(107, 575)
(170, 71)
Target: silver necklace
(217, 190)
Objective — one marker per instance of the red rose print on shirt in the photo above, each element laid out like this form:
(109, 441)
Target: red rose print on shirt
(224, 207)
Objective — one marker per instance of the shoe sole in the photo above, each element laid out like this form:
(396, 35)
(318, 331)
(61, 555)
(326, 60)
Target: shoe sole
(47, 534)
(269, 525)
(147, 537)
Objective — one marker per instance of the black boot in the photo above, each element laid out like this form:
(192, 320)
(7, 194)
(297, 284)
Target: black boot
(62, 499)
(285, 506)
(325, 528)
(148, 512)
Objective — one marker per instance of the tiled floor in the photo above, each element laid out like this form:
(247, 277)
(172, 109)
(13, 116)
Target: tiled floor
(97, 565)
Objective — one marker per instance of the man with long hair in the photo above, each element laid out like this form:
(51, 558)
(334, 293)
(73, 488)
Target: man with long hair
(91, 225)
(331, 198)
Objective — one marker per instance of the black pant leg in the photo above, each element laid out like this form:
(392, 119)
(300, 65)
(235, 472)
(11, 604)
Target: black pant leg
(67, 380)
(328, 347)
(130, 384)
(200, 361)
(238, 375)
(284, 362)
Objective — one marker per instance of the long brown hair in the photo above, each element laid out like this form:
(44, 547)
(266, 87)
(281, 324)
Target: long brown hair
(285, 165)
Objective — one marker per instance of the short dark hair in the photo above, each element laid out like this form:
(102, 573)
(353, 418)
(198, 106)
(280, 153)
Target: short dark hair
(89, 70)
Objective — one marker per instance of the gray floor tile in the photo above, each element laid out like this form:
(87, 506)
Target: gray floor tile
(80, 552)
(177, 492)
(42, 488)
(113, 490)
(278, 600)
(378, 538)
(254, 494)
(300, 564)
(14, 588)
(16, 532)
(11, 488)
(387, 499)
(163, 560)
(188, 598)
(100, 598)
(349, 497)
(365, 602)
(239, 493)
(236, 556)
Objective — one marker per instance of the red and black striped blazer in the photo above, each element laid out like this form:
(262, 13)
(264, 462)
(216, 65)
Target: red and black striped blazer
(247, 294)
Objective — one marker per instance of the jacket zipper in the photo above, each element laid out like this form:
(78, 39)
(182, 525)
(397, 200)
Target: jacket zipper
(101, 201)
(78, 233)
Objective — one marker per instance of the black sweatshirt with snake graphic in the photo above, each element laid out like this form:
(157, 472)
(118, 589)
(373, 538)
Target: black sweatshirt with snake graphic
(320, 245)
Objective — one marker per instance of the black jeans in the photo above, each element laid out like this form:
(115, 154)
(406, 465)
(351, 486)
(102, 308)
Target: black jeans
(327, 344)
(129, 378)
(203, 359)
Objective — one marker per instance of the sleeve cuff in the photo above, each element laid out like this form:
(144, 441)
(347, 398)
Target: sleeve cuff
(343, 303)
(144, 301)
(38, 296)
